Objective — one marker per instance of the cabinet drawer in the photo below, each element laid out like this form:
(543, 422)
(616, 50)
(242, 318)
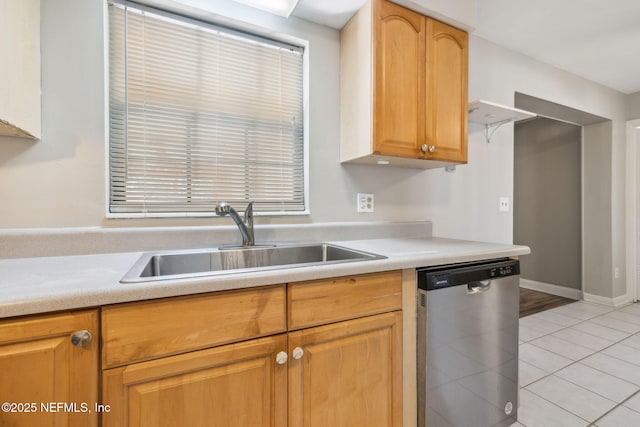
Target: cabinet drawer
(324, 301)
(147, 330)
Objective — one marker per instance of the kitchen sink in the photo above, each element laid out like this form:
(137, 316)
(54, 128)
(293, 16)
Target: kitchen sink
(208, 262)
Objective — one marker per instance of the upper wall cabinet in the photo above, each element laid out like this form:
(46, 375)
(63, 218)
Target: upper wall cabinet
(20, 68)
(403, 89)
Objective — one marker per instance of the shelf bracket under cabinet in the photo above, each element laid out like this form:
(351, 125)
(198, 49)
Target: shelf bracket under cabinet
(493, 116)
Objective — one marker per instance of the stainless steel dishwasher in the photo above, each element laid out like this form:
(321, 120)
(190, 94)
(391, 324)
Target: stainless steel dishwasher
(468, 344)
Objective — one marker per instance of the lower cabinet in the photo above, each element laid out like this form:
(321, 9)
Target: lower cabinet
(336, 362)
(343, 374)
(314, 354)
(347, 374)
(49, 370)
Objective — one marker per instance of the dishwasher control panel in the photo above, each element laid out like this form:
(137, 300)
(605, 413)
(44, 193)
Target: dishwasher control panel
(444, 276)
(503, 271)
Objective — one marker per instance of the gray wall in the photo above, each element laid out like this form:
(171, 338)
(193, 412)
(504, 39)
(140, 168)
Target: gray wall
(495, 74)
(633, 106)
(547, 205)
(59, 181)
(598, 213)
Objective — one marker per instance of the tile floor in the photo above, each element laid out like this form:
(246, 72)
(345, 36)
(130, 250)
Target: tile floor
(580, 366)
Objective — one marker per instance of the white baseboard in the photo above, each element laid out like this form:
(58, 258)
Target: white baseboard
(610, 302)
(576, 294)
(548, 288)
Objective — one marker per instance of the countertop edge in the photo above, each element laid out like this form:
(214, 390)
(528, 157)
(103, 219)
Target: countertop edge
(60, 292)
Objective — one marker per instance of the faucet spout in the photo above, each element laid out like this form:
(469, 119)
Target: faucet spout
(245, 225)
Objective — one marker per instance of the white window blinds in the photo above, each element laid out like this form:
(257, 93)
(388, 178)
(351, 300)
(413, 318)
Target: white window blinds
(201, 114)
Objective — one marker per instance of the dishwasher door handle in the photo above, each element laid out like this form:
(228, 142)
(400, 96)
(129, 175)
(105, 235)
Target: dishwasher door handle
(480, 286)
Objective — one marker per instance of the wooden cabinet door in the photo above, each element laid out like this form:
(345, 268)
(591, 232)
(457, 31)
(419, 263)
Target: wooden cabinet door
(348, 374)
(399, 77)
(40, 368)
(238, 385)
(446, 77)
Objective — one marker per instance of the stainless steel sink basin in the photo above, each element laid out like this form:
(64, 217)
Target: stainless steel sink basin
(205, 262)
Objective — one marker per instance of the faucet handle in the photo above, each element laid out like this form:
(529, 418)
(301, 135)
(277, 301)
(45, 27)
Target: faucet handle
(248, 215)
(248, 221)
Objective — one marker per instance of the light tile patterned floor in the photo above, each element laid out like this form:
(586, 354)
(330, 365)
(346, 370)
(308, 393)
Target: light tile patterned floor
(580, 366)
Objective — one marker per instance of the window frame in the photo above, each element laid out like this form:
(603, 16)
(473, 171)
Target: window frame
(201, 17)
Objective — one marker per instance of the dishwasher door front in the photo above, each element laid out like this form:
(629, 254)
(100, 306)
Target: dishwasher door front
(468, 346)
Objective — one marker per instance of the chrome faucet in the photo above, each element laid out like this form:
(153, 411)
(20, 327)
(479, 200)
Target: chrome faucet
(245, 225)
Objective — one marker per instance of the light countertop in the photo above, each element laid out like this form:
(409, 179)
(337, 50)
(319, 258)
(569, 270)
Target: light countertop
(47, 284)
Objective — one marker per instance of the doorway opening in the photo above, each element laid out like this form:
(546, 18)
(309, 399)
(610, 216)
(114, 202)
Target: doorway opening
(547, 200)
(562, 199)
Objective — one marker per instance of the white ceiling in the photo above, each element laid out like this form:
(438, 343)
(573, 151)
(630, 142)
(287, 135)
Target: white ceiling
(332, 13)
(595, 39)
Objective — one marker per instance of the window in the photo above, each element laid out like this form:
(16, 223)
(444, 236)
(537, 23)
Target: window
(201, 114)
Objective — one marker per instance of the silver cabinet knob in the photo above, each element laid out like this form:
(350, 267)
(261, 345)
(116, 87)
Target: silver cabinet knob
(429, 148)
(81, 338)
(281, 358)
(297, 353)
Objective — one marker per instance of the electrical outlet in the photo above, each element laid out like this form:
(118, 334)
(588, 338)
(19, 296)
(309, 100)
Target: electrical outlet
(365, 202)
(503, 204)
(616, 272)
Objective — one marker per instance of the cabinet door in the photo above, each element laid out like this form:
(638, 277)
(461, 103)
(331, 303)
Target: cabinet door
(234, 385)
(447, 74)
(40, 368)
(348, 373)
(399, 77)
